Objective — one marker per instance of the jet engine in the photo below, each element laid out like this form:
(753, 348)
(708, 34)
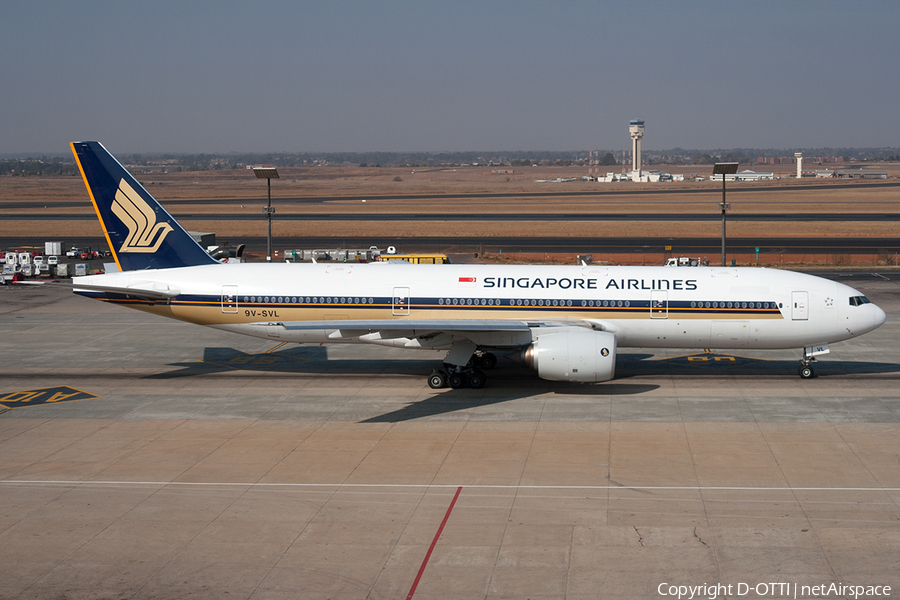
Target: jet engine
(572, 354)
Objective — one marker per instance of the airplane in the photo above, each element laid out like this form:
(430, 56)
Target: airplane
(566, 322)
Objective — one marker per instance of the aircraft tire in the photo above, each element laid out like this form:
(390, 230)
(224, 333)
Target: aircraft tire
(456, 381)
(487, 361)
(806, 372)
(477, 380)
(437, 380)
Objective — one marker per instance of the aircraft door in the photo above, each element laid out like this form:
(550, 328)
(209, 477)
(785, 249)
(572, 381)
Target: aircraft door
(799, 306)
(229, 299)
(400, 301)
(659, 304)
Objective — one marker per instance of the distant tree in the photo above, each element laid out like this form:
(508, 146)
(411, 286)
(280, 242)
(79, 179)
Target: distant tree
(608, 159)
(705, 159)
(28, 167)
(737, 157)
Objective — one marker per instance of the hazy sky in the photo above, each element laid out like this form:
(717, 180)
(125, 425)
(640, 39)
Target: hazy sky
(430, 76)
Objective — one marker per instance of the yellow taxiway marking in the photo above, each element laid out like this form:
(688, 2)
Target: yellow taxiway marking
(276, 347)
(37, 397)
(708, 358)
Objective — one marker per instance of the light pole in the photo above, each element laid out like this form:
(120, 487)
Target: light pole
(723, 169)
(267, 173)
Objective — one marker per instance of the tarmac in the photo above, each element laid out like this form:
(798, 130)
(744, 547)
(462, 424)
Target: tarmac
(146, 458)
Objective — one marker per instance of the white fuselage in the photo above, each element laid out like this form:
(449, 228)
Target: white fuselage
(656, 307)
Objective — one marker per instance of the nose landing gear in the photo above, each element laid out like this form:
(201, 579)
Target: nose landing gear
(809, 356)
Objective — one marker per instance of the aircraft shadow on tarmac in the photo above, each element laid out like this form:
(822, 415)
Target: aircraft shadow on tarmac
(505, 389)
(508, 382)
(298, 359)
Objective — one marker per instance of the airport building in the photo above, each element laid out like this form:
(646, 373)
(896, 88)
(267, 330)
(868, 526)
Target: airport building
(747, 175)
(860, 173)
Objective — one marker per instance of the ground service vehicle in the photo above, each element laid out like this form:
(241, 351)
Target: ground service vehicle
(418, 259)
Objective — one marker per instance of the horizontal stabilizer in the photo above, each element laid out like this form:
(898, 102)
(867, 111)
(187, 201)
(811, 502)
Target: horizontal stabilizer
(135, 291)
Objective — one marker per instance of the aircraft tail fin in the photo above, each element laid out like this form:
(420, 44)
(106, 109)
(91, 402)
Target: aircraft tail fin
(140, 233)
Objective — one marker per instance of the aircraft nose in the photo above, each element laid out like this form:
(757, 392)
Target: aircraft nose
(880, 316)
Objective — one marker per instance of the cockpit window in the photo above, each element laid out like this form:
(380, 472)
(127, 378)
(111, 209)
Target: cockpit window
(859, 300)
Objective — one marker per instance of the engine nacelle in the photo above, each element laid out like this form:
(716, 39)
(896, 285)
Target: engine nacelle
(572, 354)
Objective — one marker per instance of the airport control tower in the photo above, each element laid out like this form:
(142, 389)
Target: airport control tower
(636, 129)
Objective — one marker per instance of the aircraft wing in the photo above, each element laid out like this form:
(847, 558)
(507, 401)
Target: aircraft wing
(426, 332)
(409, 328)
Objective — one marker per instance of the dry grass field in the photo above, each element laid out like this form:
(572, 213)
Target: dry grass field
(394, 190)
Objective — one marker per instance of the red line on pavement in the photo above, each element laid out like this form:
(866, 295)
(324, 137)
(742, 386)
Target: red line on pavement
(434, 542)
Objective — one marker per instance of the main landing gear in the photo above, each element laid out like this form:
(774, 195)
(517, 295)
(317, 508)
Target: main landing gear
(470, 375)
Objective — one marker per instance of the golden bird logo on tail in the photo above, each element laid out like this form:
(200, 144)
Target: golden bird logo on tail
(140, 219)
